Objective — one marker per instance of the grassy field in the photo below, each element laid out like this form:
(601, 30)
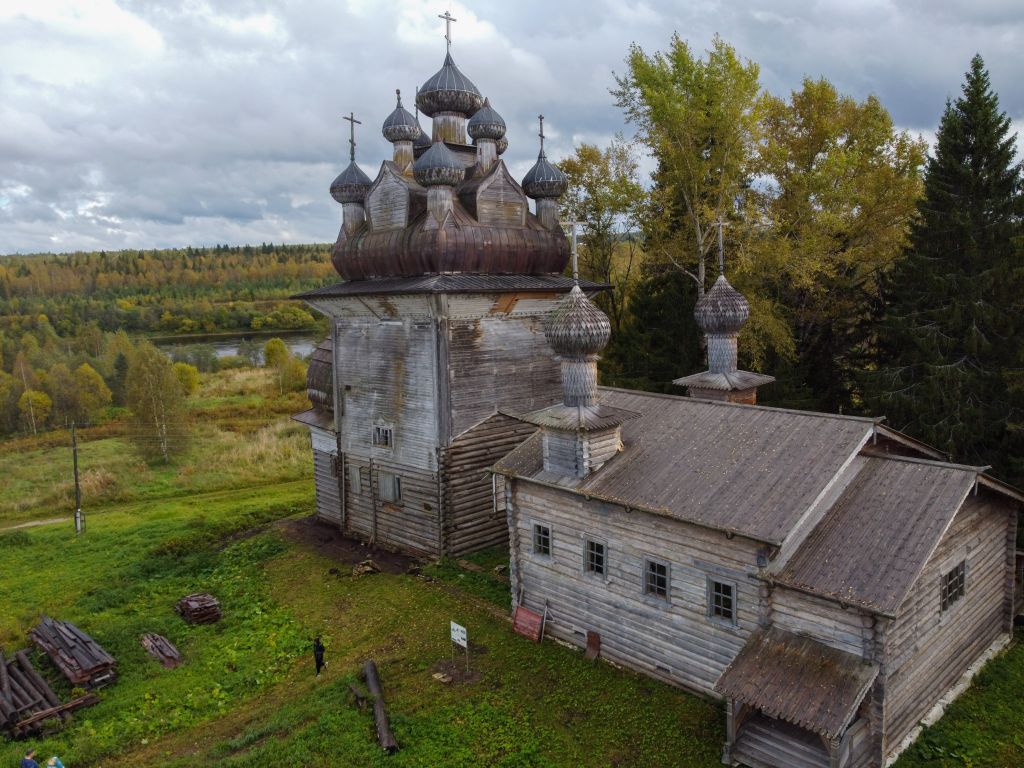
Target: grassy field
(231, 517)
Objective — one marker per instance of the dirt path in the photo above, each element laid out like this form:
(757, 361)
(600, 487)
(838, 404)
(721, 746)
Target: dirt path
(34, 523)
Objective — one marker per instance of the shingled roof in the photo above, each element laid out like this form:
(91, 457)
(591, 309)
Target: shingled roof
(798, 680)
(913, 501)
(746, 469)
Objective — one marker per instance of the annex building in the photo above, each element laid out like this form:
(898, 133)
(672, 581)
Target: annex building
(828, 578)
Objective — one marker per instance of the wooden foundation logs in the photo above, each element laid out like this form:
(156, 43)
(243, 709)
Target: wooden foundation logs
(26, 699)
(161, 649)
(380, 714)
(79, 658)
(200, 608)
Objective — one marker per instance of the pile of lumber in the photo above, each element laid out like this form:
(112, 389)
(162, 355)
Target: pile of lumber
(26, 699)
(199, 608)
(78, 657)
(161, 649)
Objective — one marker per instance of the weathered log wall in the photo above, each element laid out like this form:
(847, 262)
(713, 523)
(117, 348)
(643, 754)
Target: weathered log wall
(328, 500)
(820, 619)
(672, 639)
(473, 520)
(927, 650)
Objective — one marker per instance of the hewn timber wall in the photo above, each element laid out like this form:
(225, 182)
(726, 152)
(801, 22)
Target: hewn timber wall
(672, 639)
(328, 504)
(473, 520)
(817, 618)
(411, 525)
(928, 650)
(497, 357)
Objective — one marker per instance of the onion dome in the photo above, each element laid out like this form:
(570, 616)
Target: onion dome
(351, 185)
(576, 327)
(502, 145)
(486, 123)
(400, 125)
(449, 91)
(544, 179)
(722, 310)
(438, 166)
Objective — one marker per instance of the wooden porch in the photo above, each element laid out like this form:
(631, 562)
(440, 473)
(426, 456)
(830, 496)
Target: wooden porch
(764, 742)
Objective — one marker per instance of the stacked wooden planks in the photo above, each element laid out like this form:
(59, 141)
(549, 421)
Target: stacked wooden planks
(79, 658)
(199, 608)
(26, 699)
(161, 649)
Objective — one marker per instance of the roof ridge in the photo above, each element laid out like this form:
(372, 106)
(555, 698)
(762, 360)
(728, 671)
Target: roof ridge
(980, 469)
(773, 409)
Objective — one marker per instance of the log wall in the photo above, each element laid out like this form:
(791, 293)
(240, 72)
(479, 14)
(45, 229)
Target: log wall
(820, 619)
(328, 498)
(927, 650)
(673, 639)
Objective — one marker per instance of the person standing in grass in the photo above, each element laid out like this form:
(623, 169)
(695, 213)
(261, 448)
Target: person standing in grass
(29, 760)
(318, 655)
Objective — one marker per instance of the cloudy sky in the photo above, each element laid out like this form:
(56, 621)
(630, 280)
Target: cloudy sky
(160, 123)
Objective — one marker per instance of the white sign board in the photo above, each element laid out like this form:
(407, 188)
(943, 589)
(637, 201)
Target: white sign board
(459, 635)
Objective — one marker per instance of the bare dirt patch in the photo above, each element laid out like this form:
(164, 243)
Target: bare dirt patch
(330, 542)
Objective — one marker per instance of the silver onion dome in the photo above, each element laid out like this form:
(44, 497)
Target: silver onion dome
(576, 327)
(502, 145)
(722, 310)
(448, 90)
(438, 166)
(351, 185)
(423, 139)
(400, 125)
(544, 179)
(486, 123)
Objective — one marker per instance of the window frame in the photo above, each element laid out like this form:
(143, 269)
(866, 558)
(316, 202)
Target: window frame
(948, 599)
(383, 436)
(396, 485)
(712, 614)
(536, 525)
(647, 573)
(355, 479)
(587, 569)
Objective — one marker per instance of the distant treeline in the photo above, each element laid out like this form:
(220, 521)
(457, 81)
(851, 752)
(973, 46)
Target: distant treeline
(182, 290)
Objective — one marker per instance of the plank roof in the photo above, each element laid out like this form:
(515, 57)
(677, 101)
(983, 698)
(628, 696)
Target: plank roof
(872, 543)
(799, 680)
(746, 469)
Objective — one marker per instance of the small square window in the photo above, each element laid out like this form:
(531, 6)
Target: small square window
(952, 586)
(722, 600)
(355, 480)
(595, 557)
(384, 437)
(541, 540)
(656, 578)
(390, 487)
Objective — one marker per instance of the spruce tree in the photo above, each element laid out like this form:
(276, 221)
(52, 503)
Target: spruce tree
(949, 338)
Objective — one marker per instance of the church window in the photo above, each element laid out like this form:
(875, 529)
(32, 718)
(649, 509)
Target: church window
(656, 578)
(384, 437)
(541, 540)
(390, 487)
(952, 586)
(355, 484)
(594, 561)
(722, 600)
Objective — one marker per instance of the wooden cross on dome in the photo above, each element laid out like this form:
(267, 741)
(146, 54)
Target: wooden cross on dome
(448, 19)
(351, 117)
(541, 134)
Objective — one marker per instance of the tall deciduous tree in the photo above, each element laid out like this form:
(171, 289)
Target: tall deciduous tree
(837, 191)
(701, 119)
(606, 198)
(93, 393)
(157, 403)
(950, 336)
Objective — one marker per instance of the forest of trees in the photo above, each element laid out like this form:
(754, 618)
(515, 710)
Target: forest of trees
(881, 280)
(187, 290)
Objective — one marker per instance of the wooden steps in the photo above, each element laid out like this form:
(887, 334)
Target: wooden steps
(766, 743)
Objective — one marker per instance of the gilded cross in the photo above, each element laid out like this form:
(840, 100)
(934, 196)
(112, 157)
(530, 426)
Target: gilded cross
(448, 19)
(351, 117)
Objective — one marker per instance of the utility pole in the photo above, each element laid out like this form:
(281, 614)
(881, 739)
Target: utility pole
(79, 515)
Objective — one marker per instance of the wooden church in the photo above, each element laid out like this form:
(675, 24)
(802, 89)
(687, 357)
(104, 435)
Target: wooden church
(826, 577)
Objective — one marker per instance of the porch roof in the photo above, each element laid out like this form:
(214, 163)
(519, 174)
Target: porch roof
(798, 680)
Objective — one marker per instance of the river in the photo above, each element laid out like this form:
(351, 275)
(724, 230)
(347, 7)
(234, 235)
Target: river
(301, 343)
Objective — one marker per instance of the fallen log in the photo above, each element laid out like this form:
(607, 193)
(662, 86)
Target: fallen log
(380, 713)
(5, 681)
(36, 679)
(84, 701)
